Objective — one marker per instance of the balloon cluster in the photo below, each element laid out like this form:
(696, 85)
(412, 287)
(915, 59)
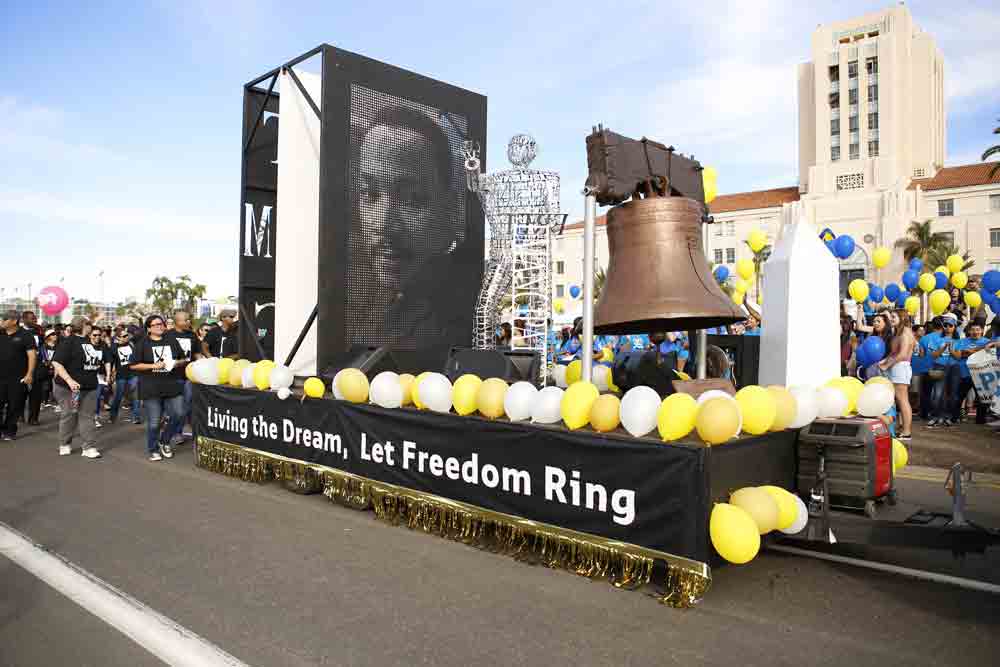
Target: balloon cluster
(933, 283)
(735, 527)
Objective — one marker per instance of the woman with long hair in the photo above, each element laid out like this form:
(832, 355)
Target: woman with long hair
(881, 327)
(153, 358)
(897, 368)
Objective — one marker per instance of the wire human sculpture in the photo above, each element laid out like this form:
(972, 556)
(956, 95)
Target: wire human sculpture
(522, 208)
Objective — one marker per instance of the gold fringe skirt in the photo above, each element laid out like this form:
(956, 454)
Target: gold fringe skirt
(683, 581)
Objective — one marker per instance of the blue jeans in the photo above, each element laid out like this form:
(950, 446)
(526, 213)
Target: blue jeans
(188, 397)
(121, 384)
(943, 393)
(173, 408)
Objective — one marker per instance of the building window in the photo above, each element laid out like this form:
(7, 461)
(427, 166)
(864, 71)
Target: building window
(854, 123)
(560, 290)
(855, 152)
(919, 173)
(946, 207)
(719, 229)
(852, 70)
(995, 202)
(835, 126)
(718, 255)
(852, 96)
(560, 267)
(872, 121)
(851, 181)
(730, 255)
(949, 238)
(873, 148)
(995, 236)
(834, 153)
(730, 228)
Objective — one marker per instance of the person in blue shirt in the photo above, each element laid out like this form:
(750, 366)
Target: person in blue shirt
(962, 350)
(939, 347)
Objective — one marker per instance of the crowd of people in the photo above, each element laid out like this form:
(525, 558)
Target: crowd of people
(81, 370)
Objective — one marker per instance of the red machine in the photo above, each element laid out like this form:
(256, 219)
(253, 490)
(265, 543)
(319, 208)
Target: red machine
(848, 462)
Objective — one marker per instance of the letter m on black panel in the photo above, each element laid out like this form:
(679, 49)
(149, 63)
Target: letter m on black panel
(257, 236)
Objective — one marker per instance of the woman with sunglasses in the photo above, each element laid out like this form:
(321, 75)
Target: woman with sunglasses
(161, 393)
(944, 380)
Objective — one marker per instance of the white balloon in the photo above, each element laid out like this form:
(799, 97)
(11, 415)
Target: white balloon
(208, 371)
(718, 393)
(519, 401)
(599, 376)
(800, 520)
(830, 402)
(435, 392)
(806, 405)
(548, 406)
(281, 377)
(284, 393)
(247, 377)
(385, 390)
(334, 386)
(875, 399)
(638, 410)
(559, 375)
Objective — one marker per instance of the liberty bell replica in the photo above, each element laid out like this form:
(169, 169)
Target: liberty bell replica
(658, 278)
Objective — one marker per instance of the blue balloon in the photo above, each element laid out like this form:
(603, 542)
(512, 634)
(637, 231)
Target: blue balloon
(901, 300)
(861, 355)
(911, 278)
(875, 294)
(843, 246)
(991, 281)
(829, 246)
(721, 273)
(892, 291)
(916, 265)
(874, 349)
(940, 280)
(574, 291)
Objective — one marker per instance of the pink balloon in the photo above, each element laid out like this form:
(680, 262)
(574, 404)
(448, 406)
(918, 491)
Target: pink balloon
(53, 300)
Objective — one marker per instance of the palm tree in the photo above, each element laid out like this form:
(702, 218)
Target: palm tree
(920, 242)
(990, 152)
(600, 277)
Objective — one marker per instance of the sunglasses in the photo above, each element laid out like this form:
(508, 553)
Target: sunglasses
(949, 326)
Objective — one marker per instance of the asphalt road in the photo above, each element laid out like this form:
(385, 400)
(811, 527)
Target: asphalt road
(279, 579)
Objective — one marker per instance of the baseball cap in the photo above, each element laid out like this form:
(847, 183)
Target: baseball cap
(950, 316)
(50, 332)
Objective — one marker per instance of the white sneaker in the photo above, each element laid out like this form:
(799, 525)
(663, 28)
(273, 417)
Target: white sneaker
(97, 422)
(90, 453)
(57, 409)
(155, 456)
(65, 450)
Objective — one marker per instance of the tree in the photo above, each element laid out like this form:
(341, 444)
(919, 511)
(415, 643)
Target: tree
(166, 295)
(600, 278)
(990, 152)
(921, 241)
(133, 310)
(939, 257)
(86, 309)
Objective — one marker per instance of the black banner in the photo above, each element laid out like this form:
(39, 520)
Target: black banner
(636, 491)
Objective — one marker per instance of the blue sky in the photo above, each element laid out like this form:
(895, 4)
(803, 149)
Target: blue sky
(121, 124)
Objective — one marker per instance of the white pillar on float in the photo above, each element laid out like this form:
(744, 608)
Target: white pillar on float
(800, 338)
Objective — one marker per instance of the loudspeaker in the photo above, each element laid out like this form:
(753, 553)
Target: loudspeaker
(369, 359)
(510, 365)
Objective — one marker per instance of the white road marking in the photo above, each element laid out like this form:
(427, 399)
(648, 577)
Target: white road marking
(167, 640)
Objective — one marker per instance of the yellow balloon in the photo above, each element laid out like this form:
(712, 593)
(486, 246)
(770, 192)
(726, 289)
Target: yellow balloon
(959, 279)
(850, 388)
(900, 457)
(574, 371)
(710, 183)
(926, 282)
(353, 385)
(943, 269)
(939, 300)
(912, 304)
(464, 392)
(607, 354)
(314, 388)
(878, 379)
(406, 382)
(973, 300)
(744, 268)
(242, 363)
(266, 362)
(718, 420)
(738, 298)
(262, 375)
(741, 285)
(786, 407)
(881, 257)
(225, 365)
(577, 402)
(758, 409)
(604, 413)
(235, 375)
(489, 398)
(414, 390)
(189, 373)
(759, 504)
(955, 263)
(858, 289)
(788, 509)
(734, 533)
(559, 305)
(757, 240)
(676, 416)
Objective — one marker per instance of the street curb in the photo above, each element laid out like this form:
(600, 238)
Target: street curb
(929, 474)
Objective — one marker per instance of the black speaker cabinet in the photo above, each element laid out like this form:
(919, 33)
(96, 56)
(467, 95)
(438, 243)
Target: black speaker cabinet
(510, 365)
(370, 360)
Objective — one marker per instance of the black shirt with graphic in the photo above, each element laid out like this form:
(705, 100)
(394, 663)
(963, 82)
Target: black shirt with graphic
(14, 353)
(189, 345)
(80, 359)
(121, 360)
(223, 343)
(43, 367)
(161, 383)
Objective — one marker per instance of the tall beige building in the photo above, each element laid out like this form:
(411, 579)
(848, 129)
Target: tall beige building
(871, 159)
